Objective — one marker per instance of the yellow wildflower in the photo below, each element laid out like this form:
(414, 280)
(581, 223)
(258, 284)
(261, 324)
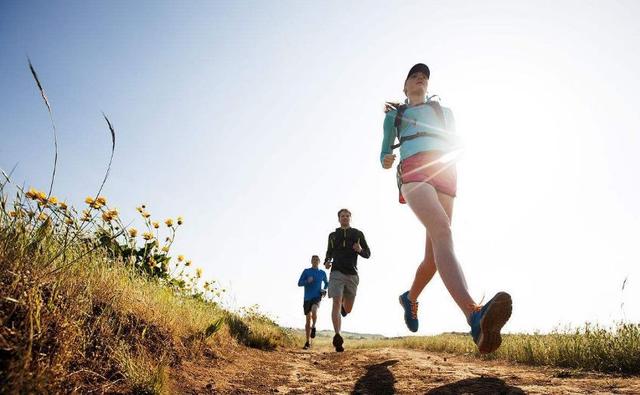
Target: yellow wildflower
(43, 217)
(63, 205)
(147, 235)
(68, 221)
(146, 214)
(152, 262)
(156, 224)
(180, 221)
(32, 193)
(89, 200)
(169, 222)
(110, 215)
(13, 214)
(165, 249)
(41, 197)
(180, 258)
(199, 272)
(133, 232)
(188, 263)
(139, 209)
(53, 200)
(101, 200)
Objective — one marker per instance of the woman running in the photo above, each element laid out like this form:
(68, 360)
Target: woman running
(427, 182)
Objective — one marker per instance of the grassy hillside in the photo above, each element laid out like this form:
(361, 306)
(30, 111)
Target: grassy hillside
(88, 303)
(85, 306)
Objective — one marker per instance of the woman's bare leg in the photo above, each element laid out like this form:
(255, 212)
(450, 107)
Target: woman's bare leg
(427, 268)
(425, 203)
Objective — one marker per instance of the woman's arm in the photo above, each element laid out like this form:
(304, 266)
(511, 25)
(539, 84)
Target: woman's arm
(389, 135)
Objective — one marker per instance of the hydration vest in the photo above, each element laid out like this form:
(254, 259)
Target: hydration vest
(400, 109)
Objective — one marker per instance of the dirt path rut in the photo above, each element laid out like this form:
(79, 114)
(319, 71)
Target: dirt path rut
(382, 371)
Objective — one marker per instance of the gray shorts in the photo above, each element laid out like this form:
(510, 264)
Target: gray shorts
(343, 285)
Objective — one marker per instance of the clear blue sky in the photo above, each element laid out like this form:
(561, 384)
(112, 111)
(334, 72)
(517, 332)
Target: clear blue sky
(257, 121)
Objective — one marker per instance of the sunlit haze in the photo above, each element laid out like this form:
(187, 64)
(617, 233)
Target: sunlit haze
(258, 121)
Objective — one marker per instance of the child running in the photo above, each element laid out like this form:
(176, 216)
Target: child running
(311, 279)
(427, 181)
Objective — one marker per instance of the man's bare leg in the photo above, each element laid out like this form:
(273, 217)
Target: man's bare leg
(314, 315)
(347, 302)
(335, 314)
(307, 326)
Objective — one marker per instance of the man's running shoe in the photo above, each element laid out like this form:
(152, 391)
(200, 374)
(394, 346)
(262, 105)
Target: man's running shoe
(337, 342)
(488, 320)
(313, 332)
(343, 312)
(306, 346)
(410, 312)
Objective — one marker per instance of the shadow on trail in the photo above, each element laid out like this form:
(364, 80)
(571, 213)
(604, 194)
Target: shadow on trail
(481, 385)
(377, 380)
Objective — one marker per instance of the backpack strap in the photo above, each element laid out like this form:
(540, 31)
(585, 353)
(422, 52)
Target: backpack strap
(439, 112)
(437, 108)
(397, 122)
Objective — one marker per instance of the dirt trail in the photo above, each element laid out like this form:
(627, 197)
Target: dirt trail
(382, 371)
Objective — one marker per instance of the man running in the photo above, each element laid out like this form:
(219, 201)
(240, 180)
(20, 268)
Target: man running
(344, 246)
(311, 279)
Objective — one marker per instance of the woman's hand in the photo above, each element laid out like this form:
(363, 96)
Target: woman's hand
(388, 160)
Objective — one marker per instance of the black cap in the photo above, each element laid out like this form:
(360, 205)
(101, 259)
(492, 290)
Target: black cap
(420, 67)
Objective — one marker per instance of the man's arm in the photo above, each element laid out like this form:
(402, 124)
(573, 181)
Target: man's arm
(366, 252)
(302, 280)
(324, 279)
(329, 255)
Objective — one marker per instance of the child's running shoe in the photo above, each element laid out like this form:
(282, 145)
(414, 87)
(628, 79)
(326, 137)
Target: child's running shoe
(313, 332)
(410, 312)
(487, 322)
(306, 346)
(337, 342)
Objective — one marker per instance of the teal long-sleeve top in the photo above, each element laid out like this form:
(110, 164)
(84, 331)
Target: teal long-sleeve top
(419, 118)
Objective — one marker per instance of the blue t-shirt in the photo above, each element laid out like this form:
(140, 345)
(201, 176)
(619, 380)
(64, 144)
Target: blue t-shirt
(312, 289)
(420, 118)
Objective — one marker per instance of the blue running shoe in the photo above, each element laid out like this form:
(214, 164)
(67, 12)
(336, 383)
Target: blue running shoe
(487, 322)
(410, 312)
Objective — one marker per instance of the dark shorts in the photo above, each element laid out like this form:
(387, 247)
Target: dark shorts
(426, 167)
(308, 303)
